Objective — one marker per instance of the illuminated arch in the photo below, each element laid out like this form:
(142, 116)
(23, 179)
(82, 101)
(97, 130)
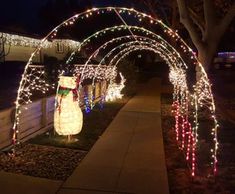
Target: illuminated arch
(151, 42)
(202, 94)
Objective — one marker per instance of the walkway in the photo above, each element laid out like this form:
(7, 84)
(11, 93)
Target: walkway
(11, 183)
(129, 156)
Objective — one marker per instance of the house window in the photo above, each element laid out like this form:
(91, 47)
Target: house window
(59, 47)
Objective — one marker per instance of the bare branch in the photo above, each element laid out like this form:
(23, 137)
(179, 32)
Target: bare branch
(153, 3)
(153, 6)
(197, 20)
(225, 22)
(150, 7)
(209, 14)
(174, 14)
(185, 19)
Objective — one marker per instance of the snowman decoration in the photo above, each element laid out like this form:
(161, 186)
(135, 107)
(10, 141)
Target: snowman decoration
(68, 118)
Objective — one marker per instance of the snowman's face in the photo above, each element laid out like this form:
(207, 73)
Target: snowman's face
(67, 82)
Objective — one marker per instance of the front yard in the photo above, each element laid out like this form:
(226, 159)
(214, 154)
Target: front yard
(52, 156)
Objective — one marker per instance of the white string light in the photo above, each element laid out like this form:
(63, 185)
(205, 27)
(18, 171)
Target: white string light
(202, 95)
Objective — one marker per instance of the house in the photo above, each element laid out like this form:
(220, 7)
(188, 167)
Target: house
(14, 47)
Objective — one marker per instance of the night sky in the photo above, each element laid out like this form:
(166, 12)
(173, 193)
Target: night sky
(20, 12)
(23, 15)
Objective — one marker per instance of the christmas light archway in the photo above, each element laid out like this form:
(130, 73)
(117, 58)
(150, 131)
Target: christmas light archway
(32, 78)
(142, 42)
(142, 38)
(166, 55)
(149, 47)
(124, 27)
(121, 27)
(178, 78)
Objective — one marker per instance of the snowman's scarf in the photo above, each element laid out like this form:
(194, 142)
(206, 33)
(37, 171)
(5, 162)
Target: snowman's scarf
(63, 92)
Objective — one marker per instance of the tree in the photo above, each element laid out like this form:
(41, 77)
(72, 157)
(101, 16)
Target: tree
(157, 8)
(205, 20)
(206, 29)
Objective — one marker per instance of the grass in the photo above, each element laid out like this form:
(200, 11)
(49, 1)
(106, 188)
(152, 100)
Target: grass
(94, 124)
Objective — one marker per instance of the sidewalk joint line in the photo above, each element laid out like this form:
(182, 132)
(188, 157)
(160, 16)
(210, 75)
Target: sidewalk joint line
(121, 169)
(96, 190)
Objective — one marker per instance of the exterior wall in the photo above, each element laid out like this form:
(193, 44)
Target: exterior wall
(21, 48)
(54, 52)
(20, 53)
(1, 50)
(36, 119)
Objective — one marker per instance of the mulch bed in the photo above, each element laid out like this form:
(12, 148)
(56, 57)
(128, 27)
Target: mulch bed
(42, 161)
(180, 181)
(52, 156)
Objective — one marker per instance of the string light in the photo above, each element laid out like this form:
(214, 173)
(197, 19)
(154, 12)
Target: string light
(68, 118)
(114, 90)
(18, 40)
(201, 94)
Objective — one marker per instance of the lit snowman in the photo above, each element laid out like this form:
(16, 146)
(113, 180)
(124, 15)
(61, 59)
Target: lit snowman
(68, 118)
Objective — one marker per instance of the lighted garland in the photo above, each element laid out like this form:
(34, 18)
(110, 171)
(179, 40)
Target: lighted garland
(202, 85)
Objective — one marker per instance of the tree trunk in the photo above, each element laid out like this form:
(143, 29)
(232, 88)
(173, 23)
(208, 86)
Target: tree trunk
(211, 32)
(174, 19)
(206, 57)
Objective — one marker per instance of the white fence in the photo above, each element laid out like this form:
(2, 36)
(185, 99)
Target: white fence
(38, 117)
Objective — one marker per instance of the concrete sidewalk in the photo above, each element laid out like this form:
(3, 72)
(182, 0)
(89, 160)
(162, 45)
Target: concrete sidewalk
(11, 183)
(129, 156)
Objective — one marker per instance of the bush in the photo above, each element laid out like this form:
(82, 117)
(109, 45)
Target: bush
(51, 68)
(129, 71)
